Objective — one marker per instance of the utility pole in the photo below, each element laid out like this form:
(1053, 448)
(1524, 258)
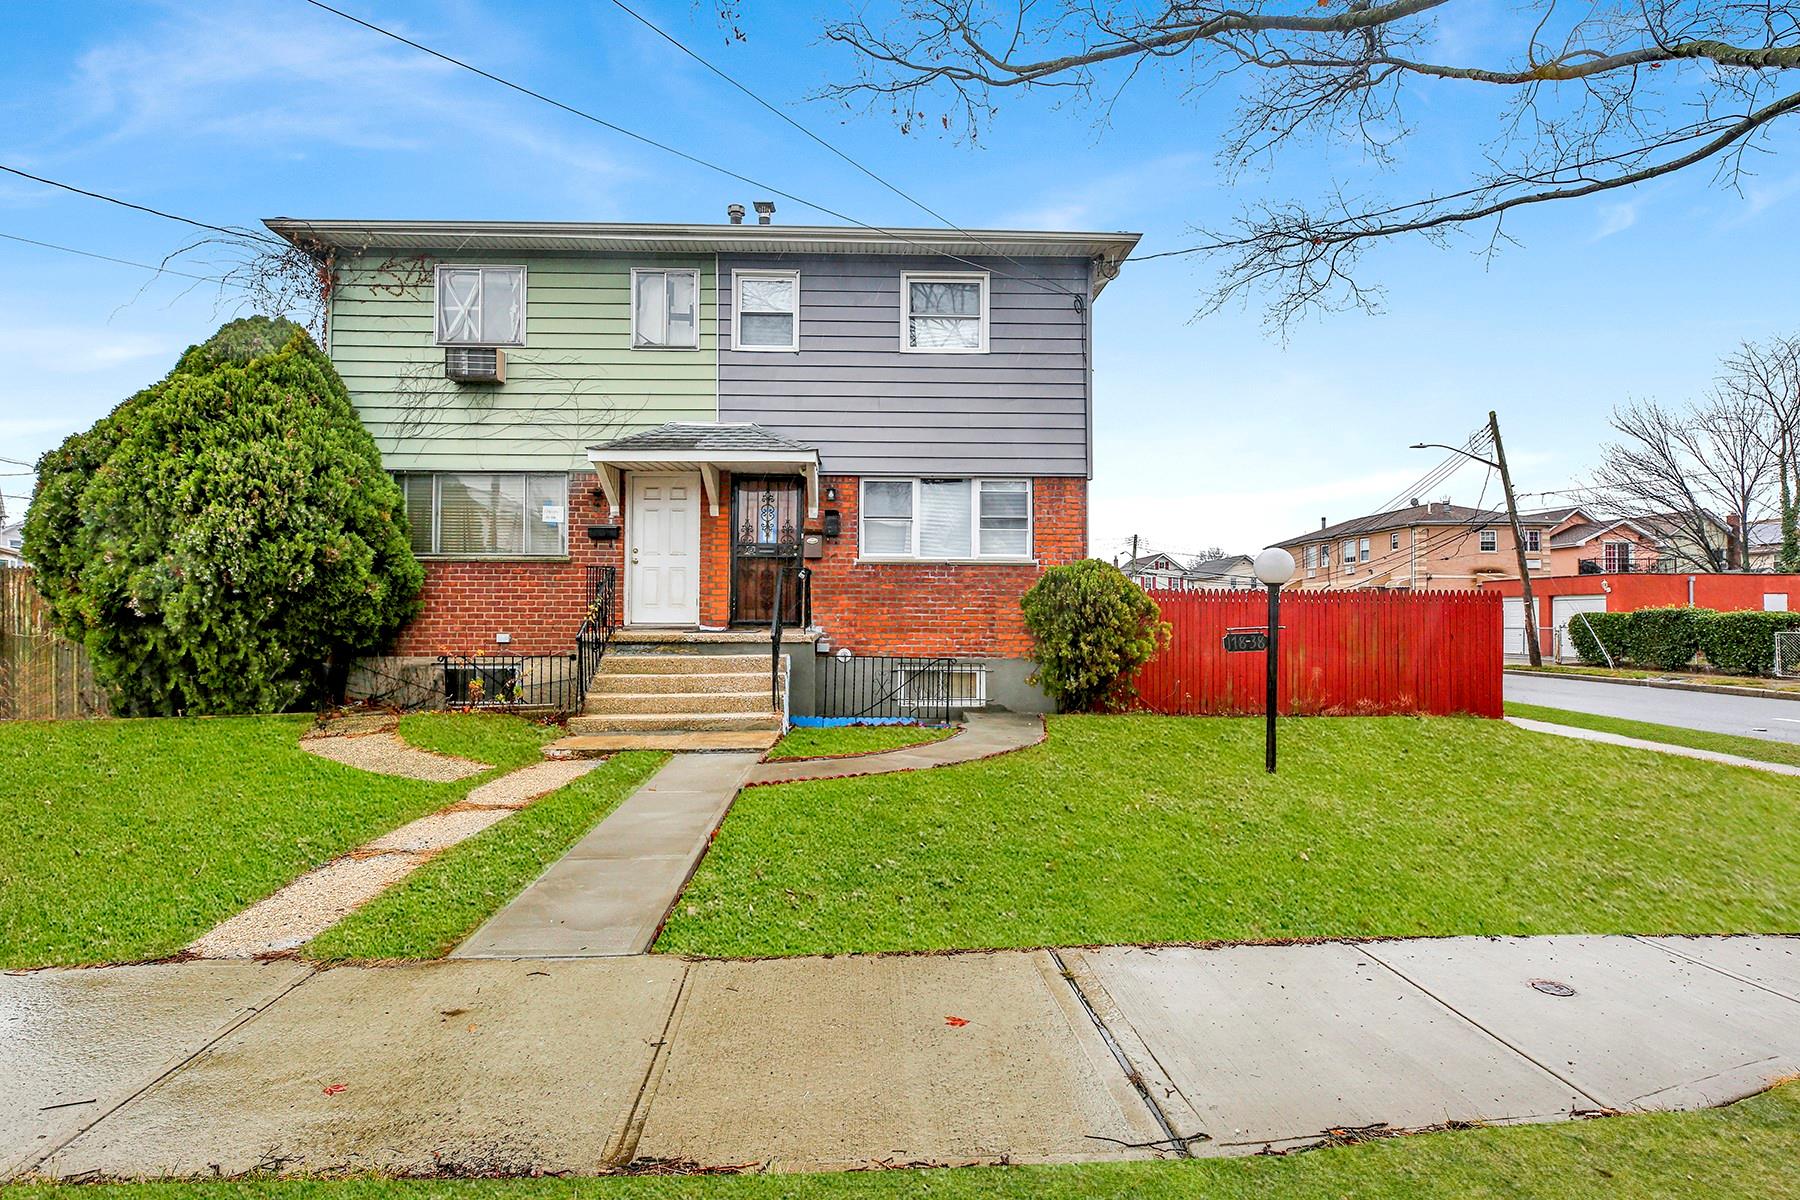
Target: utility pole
(1134, 555)
(1518, 532)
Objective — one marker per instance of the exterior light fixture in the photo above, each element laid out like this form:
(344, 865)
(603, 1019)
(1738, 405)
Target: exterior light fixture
(1273, 567)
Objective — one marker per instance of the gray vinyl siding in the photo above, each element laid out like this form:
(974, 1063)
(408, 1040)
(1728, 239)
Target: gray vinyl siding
(1019, 409)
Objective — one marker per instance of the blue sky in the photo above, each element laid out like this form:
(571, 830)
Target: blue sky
(1207, 432)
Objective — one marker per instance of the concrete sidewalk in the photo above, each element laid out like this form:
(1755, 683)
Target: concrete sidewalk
(581, 1066)
(1618, 739)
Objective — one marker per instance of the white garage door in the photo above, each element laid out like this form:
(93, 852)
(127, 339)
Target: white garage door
(1562, 611)
(1513, 625)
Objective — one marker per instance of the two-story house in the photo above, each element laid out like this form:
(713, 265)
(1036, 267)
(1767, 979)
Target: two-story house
(694, 408)
(1424, 545)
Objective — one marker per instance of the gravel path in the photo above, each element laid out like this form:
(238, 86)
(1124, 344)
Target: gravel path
(386, 754)
(322, 897)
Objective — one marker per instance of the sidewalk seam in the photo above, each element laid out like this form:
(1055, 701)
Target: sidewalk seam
(1178, 1143)
(244, 1019)
(632, 1130)
(1596, 1101)
(1713, 967)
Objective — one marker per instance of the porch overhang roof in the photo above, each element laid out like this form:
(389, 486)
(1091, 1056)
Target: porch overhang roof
(708, 450)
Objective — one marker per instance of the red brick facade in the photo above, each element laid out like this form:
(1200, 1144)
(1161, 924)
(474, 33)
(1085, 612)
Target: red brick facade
(964, 609)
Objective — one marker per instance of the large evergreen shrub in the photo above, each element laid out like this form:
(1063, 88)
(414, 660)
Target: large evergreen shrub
(1743, 643)
(225, 535)
(1589, 630)
(1665, 639)
(1092, 628)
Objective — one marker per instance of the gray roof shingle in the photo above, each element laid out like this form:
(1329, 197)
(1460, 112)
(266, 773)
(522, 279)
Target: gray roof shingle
(712, 437)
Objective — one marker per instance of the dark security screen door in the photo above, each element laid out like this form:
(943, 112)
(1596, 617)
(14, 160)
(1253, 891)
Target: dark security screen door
(765, 536)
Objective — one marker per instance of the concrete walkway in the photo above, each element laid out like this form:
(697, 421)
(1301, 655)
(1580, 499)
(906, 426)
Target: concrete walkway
(983, 736)
(610, 894)
(824, 1063)
(1616, 739)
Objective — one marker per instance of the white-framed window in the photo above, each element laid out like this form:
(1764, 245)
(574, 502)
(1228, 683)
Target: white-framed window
(1490, 541)
(1394, 540)
(1617, 556)
(477, 514)
(944, 313)
(1534, 540)
(766, 310)
(1349, 552)
(1325, 555)
(1312, 556)
(480, 306)
(939, 520)
(665, 309)
(1363, 549)
(961, 685)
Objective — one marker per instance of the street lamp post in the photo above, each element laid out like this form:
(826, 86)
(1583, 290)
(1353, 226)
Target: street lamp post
(1273, 567)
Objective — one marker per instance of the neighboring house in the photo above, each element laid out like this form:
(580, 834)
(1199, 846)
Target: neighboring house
(1234, 572)
(1765, 545)
(1423, 546)
(12, 544)
(1584, 541)
(1165, 572)
(908, 413)
(1157, 572)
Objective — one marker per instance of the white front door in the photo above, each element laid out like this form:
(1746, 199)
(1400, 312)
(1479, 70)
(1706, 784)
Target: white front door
(662, 553)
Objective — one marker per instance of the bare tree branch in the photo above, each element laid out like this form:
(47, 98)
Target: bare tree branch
(1597, 98)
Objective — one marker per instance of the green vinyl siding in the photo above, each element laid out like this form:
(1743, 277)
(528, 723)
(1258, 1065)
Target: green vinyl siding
(576, 381)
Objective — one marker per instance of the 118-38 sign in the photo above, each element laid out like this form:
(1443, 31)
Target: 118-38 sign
(1257, 640)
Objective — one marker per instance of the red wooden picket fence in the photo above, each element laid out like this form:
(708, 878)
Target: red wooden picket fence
(1342, 653)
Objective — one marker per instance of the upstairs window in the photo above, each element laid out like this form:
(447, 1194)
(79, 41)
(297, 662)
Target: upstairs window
(1534, 540)
(1490, 541)
(1393, 541)
(480, 306)
(768, 310)
(1312, 557)
(473, 514)
(943, 520)
(944, 314)
(1349, 551)
(665, 310)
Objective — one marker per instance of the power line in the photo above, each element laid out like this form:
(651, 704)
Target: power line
(755, 96)
(665, 147)
(123, 262)
(155, 212)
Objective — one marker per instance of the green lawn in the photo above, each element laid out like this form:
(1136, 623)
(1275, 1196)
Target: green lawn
(1724, 743)
(825, 741)
(126, 839)
(439, 905)
(1746, 1150)
(496, 739)
(1151, 829)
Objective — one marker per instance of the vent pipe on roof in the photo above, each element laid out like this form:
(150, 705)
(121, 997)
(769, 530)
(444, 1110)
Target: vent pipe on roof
(735, 213)
(765, 211)
(1321, 522)
(1415, 502)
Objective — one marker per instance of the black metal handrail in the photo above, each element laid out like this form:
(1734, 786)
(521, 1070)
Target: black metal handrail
(595, 634)
(802, 581)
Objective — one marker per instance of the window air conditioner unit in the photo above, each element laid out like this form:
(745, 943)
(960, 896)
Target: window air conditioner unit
(474, 364)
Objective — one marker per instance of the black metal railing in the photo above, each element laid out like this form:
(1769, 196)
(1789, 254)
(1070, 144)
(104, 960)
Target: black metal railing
(511, 682)
(879, 685)
(1618, 566)
(802, 581)
(595, 634)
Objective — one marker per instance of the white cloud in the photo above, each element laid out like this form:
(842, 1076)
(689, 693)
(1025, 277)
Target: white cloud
(1616, 218)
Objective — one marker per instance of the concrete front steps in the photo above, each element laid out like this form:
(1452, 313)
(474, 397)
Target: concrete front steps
(675, 698)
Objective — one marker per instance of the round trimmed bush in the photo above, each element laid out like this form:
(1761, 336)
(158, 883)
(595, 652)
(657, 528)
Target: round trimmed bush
(227, 536)
(1092, 628)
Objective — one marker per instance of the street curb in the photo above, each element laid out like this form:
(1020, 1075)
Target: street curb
(1673, 685)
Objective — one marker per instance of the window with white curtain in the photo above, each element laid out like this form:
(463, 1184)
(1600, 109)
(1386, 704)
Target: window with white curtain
(938, 520)
(944, 314)
(768, 310)
(480, 306)
(665, 309)
(482, 513)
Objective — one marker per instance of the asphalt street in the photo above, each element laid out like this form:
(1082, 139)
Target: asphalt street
(1774, 720)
